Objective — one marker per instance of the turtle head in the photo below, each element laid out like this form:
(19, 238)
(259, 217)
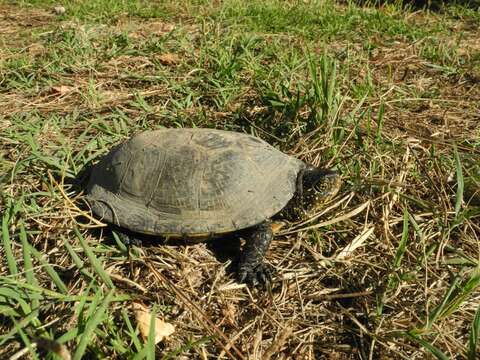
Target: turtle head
(318, 187)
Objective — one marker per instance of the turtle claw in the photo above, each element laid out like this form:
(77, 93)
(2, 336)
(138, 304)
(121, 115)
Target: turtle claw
(255, 276)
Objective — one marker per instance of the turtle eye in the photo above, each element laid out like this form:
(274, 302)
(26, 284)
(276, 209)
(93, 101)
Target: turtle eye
(319, 187)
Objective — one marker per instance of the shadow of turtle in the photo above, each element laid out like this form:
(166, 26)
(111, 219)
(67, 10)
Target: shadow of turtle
(225, 248)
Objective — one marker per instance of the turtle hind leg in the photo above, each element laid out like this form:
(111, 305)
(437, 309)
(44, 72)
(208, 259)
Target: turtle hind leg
(251, 268)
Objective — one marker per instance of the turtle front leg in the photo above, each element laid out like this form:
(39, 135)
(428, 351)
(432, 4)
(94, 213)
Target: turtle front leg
(251, 268)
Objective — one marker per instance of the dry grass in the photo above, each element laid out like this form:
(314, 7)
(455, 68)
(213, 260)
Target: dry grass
(391, 262)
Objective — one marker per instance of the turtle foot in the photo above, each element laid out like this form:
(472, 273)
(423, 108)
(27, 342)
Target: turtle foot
(260, 274)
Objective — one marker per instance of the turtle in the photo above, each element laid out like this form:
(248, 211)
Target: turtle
(200, 183)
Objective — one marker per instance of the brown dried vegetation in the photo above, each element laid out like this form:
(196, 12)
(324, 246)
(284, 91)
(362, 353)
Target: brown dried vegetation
(346, 287)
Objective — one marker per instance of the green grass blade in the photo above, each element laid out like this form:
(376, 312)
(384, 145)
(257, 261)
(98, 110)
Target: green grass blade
(69, 335)
(151, 336)
(17, 327)
(440, 309)
(380, 121)
(12, 293)
(123, 248)
(76, 259)
(28, 265)
(8, 311)
(7, 247)
(42, 292)
(27, 343)
(27, 258)
(50, 270)
(472, 284)
(92, 324)
(330, 80)
(141, 354)
(455, 296)
(474, 337)
(175, 354)
(440, 355)
(132, 333)
(80, 309)
(97, 266)
(460, 183)
(402, 246)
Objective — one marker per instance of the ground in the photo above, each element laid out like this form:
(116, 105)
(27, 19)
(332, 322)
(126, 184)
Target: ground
(389, 95)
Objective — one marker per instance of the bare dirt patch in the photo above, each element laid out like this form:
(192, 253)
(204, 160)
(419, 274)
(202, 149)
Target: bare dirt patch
(16, 22)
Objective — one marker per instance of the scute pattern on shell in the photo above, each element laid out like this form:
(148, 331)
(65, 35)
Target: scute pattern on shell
(191, 181)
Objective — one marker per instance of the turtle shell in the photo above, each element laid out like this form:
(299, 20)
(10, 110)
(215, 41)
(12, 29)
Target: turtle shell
(191, 182)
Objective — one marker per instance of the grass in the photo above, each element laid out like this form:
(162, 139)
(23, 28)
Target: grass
(388, 95)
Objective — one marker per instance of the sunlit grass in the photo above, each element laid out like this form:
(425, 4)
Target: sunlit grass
(386, 95)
